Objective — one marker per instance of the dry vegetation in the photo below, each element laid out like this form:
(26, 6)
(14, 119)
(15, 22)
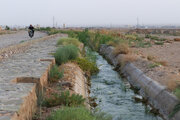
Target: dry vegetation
(177, 39)
(127, 58)
(121, 49)
(6, 32)
(150, 57)
(173, 81)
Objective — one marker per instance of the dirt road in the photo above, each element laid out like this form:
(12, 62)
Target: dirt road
(15, 38)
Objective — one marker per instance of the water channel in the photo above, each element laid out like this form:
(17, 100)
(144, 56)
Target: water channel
(114, 95)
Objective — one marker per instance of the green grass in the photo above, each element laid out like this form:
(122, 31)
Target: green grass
(143, 44)
(68, 41)
(93, 40)
(49, 31)
(86, 65)
(159, 43)
(153, 65)
(54, 74)
(66, 53)
(76, 113)
(63, 99)
(22, 41)
(73, 113)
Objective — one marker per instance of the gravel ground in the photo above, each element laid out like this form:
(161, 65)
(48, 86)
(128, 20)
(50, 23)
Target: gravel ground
(11, 39)
(168, 75)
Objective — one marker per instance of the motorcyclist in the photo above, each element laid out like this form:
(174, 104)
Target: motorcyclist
(31, 28)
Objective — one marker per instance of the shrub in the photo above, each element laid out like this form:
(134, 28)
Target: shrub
(147, 36)
(126, 58)
(84, 36)
(159, 43)
(162, 39)
(130, 37)
(153, 65)
(129, 58)
(77, 113)
(86, 65)
(121, 49)
(71, 33)
(173, 81)
(63, 99)
(143, 44)
(139, 38)
(63, 54)
(49, 31)
(116, 41)
(54, 74)
(68, 41)
(53, 31)
(154, 38)
(73, 113)
(150, 57)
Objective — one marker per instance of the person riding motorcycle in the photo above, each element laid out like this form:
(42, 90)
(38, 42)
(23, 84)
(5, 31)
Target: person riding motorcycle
(31, 31)
(31, 28)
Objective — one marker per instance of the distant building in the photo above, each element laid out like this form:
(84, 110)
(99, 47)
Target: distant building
(37, 26)
(64, 26)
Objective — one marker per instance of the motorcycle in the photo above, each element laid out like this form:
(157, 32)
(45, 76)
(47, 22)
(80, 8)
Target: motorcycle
(31, 33)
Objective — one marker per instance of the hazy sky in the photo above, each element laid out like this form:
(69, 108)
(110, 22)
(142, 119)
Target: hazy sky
(89, 12)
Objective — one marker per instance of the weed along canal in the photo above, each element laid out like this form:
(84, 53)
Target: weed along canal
(114, 96)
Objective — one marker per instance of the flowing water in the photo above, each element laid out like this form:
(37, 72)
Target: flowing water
(115, 97)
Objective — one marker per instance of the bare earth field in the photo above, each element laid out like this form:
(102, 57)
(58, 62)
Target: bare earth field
(167, 71)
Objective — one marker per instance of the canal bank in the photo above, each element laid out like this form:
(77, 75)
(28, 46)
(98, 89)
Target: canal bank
(156, 94)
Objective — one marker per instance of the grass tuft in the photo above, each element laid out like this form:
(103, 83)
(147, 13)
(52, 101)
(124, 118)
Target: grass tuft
(121, 49)
(54, 74)
(77, 113)
(68, 41)
(63, 99)
(86, 65)
(159, 42)
(66, 53)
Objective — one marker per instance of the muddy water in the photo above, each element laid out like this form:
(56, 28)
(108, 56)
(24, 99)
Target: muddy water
(115, 97)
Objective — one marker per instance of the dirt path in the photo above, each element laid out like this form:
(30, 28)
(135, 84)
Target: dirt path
(21, 36)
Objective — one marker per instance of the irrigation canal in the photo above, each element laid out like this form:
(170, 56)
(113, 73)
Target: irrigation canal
(114, 95)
